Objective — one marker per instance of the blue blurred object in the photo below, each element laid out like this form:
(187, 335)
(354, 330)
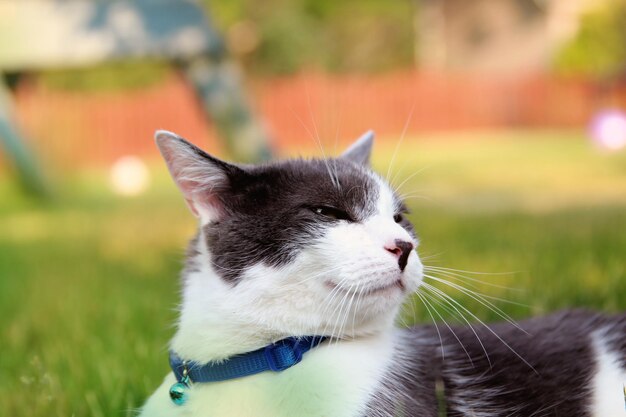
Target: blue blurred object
(65, 34)
(42, 34)
(16, 150)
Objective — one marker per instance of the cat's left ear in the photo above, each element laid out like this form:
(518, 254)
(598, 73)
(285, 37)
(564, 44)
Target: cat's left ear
(204, 180)
(360, 151)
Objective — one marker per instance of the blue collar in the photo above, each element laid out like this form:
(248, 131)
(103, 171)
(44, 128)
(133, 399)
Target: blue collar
(275, 357)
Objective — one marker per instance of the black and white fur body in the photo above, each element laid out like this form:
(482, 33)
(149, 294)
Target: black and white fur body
(322, 247)
(573, 365)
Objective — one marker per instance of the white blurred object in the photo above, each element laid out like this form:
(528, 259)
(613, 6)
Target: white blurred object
(129, 176)
(608, 129)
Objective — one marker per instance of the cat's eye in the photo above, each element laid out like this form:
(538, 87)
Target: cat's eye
(398, 217)
(331, 212)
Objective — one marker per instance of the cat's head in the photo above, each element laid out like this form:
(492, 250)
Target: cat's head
(295, 247)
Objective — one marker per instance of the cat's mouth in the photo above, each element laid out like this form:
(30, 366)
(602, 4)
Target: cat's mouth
(369, 290)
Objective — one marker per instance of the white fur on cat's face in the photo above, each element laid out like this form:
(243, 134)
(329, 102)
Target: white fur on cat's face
(343, 284)
(326, 290)
(340, 280)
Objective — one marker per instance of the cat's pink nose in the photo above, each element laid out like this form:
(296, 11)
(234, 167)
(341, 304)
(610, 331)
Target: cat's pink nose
(402, 249)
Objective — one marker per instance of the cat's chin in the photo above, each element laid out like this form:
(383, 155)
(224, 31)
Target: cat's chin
(374, 301)
(397, 285)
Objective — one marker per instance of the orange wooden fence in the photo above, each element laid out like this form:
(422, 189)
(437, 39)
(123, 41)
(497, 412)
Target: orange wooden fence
(77, 128)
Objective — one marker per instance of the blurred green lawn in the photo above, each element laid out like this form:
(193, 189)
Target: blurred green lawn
(89, 287)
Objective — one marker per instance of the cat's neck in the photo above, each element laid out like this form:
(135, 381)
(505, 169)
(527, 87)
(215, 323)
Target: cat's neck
(216, 322)
(334, 379)
(210, 331)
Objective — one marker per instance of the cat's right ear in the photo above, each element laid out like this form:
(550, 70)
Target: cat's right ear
(359, 152)
(202, 178)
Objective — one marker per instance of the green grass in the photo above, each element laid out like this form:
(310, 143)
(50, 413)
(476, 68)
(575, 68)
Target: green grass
(89, 288)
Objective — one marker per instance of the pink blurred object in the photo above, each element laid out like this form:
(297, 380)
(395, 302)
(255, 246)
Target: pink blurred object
(608, 129)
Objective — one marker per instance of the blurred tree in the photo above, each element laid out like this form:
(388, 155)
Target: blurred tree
(349, 35)
(281, 37)
(599, 49)
(11, 142)
(107, 52)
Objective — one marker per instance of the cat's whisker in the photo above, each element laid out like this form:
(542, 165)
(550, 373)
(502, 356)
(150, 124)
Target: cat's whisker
(304, 126)
(416, 197)
(468, 285)
(430, 257)
(347, 317)
(319, 144)
(472, 283)
(327, 302)
(439, 303)
(404, 129)
(405, 306)
(476, 292)
(401, 169)
(400, 318)
(354, 310)
(443, 353)
(446, 272)
(339, 316)
(321, 274)
(479, 298)
(223, 268)
(343, 316)
(334, 179)
(356, 307)
(414, 311)
(268, 252)
(444, 297)
(340, 305)
(489, 329)
(412, 195)
(355, 187)
(398, 188)
(475, 272)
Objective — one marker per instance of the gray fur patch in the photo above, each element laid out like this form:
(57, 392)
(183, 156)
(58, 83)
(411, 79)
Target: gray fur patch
(559, 348)
(270, 211)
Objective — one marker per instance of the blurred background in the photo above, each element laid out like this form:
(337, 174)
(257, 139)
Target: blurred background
(502, 121)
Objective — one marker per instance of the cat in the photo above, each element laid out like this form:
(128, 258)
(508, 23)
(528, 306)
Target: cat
(324, 248)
